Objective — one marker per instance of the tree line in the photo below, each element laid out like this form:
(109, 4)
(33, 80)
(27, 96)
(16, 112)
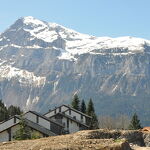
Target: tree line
(6, 113)
(120, 122)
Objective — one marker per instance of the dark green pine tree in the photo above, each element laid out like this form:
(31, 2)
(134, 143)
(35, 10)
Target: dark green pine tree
(76, 102)
(94, 122)
(14, 110)
(135, 123)
(91, 112)
(24, 132)
(83, 107)
(3, 112)
(6, 113)
(90, 108)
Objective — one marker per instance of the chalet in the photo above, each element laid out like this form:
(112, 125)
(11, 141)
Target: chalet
(72, 119)
(61, 120)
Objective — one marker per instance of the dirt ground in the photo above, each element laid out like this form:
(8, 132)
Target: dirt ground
(82, 140)
(140, 148)
(75, 141)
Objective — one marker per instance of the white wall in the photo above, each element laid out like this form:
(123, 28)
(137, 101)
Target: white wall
(50, 114)
(4, 136)
(73, 127)
(13, 130)
(30, 116)
(63, 108)
(44, 123)
(64, 122)
(8, 124)
(33, 117)
(78, 116)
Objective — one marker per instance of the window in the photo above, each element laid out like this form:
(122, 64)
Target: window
(69, 112)
(9, 133)
(37, 119)
(14, 119)
(64, 124)
(81, 117)
(59, 109)
(74, 117)
(67, 123)
(55, 111)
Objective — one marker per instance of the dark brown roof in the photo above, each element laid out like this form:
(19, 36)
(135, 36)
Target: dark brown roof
(71, 109)
(8, 119)
(46, 118)
(33, 126)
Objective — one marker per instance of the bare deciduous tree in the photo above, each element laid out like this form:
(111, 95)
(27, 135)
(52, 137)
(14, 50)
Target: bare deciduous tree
(119, 122)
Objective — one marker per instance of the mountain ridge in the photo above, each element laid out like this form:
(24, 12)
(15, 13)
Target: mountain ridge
(49, 32)
(44, 64)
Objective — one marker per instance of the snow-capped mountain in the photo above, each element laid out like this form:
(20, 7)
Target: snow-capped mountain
(43, 64)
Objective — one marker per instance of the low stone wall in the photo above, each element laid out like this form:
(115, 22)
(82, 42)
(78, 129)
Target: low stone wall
(132, 136)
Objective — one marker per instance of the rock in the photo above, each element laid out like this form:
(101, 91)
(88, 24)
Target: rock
(146, 137)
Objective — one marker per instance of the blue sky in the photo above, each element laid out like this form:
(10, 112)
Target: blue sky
(112, 18)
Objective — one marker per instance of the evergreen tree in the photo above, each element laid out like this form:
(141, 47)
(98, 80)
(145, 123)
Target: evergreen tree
(135, 123)
(76, 102)
(24, 132)
(91, 112)
(3, 112)
(13, 110)
(83, 107)
(90, 108)
(6, 113)
(94, 122)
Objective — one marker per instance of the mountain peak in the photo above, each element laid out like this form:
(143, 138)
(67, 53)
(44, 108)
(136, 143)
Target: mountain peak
(28, 31)
(28, 17)
(31, 20)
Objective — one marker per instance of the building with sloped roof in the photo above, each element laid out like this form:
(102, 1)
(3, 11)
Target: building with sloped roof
(60, 120)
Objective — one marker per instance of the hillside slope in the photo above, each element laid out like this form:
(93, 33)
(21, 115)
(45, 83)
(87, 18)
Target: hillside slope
(75, 141)
(86, 140)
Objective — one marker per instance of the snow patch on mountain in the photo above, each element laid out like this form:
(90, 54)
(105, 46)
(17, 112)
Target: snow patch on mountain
(31, 20)
(30, 102)
(77, 43)
(18, 46)
(105, 43)
(40, 29)
(24, 77)
(66, 55)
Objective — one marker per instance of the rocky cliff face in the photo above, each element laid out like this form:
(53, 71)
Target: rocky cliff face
(43, 64)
